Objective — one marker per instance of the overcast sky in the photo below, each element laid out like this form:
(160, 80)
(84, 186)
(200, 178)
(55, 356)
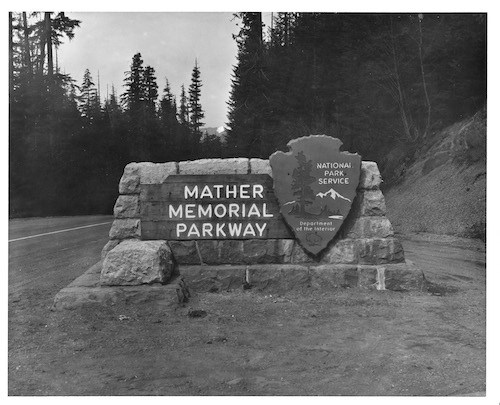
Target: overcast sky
(169, 42)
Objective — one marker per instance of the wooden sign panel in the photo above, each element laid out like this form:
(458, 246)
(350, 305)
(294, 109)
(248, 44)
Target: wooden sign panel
(315, 184)
(187, 207)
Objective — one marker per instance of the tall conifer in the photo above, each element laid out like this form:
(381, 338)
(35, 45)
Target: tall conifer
(134, 88)
(150, 90)
(249, 103)
(196, 113)
(183, 108)
(168, 108)
(88, 101)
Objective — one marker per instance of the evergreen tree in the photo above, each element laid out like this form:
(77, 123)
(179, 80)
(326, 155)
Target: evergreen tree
(249, 103)
(196, 113)
(183, 108)
(134, 87)
(302, 179)
(112, 107)
(150, 90)
(168, 108)
(168, 120)
(188, 145)
(88, 99)
(138, 100)
(47, 34)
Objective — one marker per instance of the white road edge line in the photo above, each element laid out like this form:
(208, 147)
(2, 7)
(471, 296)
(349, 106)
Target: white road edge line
(62, 230)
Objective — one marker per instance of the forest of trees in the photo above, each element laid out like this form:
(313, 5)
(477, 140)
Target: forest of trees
(381, 83)
(68, 147)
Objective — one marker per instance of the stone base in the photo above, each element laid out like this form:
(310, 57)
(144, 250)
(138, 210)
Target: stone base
(279, 278)
(87, 289)
(284, 277)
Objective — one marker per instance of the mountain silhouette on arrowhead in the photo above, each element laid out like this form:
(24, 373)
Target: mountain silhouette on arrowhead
(333, 194)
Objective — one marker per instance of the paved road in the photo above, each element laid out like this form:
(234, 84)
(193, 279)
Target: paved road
(48, 253)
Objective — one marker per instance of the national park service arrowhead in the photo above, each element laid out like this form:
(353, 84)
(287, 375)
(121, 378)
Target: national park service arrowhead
(315, 185)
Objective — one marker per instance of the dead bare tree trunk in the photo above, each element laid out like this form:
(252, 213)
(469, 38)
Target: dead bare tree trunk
(259, 57)
(50, 68)
(27, 53)
(41, 61)
(401, 104)
(287, 27)
(11, 55)
(48, 34)
(424, 84)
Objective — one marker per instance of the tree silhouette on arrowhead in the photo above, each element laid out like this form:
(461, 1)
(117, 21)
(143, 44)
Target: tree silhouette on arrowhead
(301, 180)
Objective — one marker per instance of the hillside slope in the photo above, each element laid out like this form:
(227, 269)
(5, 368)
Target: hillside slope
(444, 190)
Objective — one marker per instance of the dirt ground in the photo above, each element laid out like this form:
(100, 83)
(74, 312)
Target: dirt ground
(341, 342)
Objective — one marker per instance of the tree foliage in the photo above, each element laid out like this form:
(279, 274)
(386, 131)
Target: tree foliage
(67, 149)
(196, 113)
(382, 83)
(88, 100)
(249, 105)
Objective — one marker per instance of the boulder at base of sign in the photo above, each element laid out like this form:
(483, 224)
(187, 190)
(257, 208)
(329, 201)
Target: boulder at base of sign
(135, 262)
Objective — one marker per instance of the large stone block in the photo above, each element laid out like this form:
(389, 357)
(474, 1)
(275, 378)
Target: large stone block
(343, 251)
(125, 229)
(209, 251)
(333, 276)
(299, 255)
(367, 276)
(185, 252)
(369, 203)
(111, 244)
(370, 176)
(267, 251)
(367, 227)
(137, 262)
(156, 173)
(284, 249)
(278, 278)
(130, 180)
(380, 251)
(127, 206)
(260, 166)
(215, 166)
(136, 174)
(230, 252)
(403, 277)
(249, 251)
(87, 290)
(213, 278)
(245, 251)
